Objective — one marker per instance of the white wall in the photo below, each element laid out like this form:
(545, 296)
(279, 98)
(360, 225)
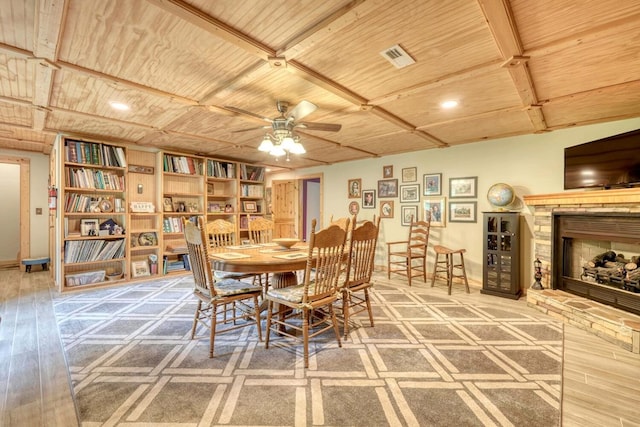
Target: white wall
(38, 190)
(532, 164)
(10, 213)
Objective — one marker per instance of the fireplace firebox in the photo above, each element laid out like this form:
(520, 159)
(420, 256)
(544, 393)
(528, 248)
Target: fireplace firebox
(596, 255)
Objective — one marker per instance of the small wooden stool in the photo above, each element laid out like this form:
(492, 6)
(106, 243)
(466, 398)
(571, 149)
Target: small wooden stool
(449, 266)
(28, 262)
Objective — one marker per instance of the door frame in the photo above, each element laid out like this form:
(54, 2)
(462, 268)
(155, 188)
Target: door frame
(25, 195)
(301, 207)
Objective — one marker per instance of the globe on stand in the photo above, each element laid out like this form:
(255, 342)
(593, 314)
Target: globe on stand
(501, 195)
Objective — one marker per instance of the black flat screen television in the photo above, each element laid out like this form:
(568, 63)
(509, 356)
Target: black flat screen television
(612, 162)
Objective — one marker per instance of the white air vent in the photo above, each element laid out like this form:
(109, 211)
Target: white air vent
(397, 56)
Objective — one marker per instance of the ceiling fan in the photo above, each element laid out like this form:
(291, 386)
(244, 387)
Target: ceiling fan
(287, 122)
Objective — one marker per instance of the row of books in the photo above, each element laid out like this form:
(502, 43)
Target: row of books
(251, 190)
(75, 202)
(251, 173)
(182, 164)
(172, 225)
(94, 153)
(93, 178)
(93, 250)
(182, 263)
(221, 169)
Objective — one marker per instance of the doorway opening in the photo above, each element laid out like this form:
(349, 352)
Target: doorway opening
(15, 172)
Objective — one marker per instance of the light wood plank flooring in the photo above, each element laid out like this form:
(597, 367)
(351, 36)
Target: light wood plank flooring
(601, 381)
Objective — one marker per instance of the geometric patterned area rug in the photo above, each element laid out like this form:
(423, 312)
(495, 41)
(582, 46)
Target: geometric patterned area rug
(430, 360)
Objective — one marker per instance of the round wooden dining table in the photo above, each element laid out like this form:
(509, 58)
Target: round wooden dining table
(281, 262)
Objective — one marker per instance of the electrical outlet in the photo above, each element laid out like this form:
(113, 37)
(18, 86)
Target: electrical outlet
(38, 211)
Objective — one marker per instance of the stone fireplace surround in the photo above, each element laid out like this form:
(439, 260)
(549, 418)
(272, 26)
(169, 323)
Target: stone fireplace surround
(612, 324)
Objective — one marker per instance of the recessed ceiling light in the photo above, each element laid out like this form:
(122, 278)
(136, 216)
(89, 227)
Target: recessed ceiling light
(449, 104)
(119, 106)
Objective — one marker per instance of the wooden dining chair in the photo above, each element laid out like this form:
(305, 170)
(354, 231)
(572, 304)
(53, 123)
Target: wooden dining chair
(312, 301)
(222, 233)
(360, 264)
(260, 229)
(409, 257)
(229, 298)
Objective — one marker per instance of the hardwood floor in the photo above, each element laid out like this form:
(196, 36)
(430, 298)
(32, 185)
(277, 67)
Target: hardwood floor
(601, 382)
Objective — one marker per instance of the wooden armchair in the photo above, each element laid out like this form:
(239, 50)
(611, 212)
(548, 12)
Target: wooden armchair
(312, 300)
(227, 297)
(221, 233)
(360, 263)
(260, 229)
(409, 257)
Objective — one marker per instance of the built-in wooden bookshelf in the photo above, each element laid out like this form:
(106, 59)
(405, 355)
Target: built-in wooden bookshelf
(94, 216)
(139, 197)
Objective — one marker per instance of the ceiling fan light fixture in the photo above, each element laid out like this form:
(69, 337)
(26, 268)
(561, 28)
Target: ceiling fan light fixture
(277, 151)
(266, 145)
(297, 149)
(287, 142)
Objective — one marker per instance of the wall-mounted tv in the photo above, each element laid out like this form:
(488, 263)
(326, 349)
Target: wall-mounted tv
(605, 163)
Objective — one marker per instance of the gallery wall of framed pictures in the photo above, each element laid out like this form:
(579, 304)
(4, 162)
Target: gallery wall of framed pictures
(418, 201)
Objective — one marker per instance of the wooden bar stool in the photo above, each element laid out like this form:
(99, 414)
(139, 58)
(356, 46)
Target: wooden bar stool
(449, 266)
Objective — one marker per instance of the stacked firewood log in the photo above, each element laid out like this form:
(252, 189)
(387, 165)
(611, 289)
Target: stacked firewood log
(616, 268)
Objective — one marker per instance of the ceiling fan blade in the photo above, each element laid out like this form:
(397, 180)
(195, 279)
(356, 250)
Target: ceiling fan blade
(328, 127)
(247, 113)
(303, 109)
(250, 129)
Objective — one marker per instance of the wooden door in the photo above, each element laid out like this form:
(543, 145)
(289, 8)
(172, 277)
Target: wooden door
(285, 197)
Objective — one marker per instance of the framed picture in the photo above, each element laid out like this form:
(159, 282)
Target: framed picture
(387, 171)
(140, 269)
(354, 208)
(167, 204)
(250, 207)
(386, 209)
(432, 184)
(409, 212)
(388, 188)
(368, 199)
(354, 188)
(89, 227)
(463, 187)
(435, 207)
(410, 193)
(463, 211)
(149, 238)
(409, 174)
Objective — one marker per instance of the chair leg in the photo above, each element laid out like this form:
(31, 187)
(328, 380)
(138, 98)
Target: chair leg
(346, 300)
(269, 310)
(368, 302)
(409, 270)
(424, 269)
(195, 319)
(435, 271)
(449, 258)
(212, 332)
(334, 319)
(464, 273)
(305, 335)
(256, 306)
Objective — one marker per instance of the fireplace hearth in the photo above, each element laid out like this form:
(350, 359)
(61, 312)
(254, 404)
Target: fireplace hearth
(593, 255)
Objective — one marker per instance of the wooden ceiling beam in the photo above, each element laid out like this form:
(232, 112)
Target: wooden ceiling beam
(384, 114)
(215, 27)
(505, 33)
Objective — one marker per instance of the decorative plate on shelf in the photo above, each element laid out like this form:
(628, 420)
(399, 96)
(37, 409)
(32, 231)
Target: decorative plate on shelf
(148, 239)
(106, 205)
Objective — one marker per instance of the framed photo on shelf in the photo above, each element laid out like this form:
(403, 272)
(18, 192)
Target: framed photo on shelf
(410, 193)
(387, 171)
(388, 188)
(167, 204)
(409, 212)
(463, 211)
(140, 269)
(463, 187)
(386, 209)
(354, 187)
(368, 199)
(432, 184)
(409, 174)
(435, 207)
(89, 227)
(250, 206)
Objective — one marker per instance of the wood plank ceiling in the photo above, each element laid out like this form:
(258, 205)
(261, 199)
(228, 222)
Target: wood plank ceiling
(514, 66)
